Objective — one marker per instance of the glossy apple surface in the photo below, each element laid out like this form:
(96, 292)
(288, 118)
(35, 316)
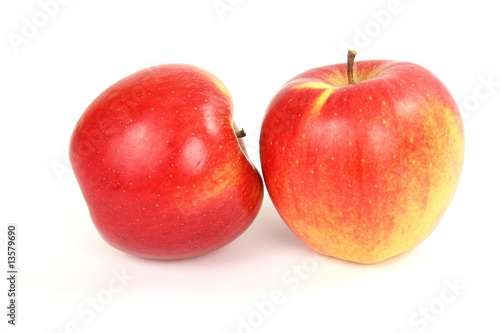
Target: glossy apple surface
(160, 166)
(362, 171)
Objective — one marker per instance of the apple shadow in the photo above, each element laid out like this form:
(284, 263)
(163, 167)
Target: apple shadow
(269, 229)
(268, 236)
(264, 236)
(267, 239)
(267, 248)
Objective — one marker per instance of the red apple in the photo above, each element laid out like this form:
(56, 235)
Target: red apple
(362, 168)
(160, 165)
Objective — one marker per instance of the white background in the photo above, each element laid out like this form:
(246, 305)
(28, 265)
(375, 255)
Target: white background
(68, 274)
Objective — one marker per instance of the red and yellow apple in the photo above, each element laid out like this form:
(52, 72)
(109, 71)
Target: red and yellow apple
(161, 167)
(362, 162)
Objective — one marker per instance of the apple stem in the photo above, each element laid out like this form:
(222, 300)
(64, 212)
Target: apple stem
(241, 134)
(351, 54)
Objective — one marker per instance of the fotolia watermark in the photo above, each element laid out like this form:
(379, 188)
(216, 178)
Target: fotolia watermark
(222, 7)
(292, 278)
(485, 89)
(380, 20)
(431, 311)
(62, 169)
(87, 310)
(252, 148)
(31, 25)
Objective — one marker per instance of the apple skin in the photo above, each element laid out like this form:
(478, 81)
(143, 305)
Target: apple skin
(160, 166)
(365, 171)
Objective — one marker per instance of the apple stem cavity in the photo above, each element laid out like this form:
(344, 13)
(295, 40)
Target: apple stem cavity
(351, 54)
(241, 133)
